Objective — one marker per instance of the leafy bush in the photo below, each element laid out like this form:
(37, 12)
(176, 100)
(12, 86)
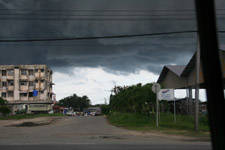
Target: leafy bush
(76, 102)
(22, 111)
(105, 109)
(143, 122)
(2, 101)
(4, 110)
(135, 98)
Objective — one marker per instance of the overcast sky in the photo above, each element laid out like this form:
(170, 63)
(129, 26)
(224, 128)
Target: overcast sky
(93, 67)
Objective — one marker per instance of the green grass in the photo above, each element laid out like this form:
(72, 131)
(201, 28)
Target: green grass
(184, 124)
(28, 116)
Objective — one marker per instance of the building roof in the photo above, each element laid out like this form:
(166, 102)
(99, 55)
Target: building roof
(191, 64)
(24, 66)
(177, 69)
(180, 70)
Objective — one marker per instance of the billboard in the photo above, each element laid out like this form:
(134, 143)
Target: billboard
(166, 94)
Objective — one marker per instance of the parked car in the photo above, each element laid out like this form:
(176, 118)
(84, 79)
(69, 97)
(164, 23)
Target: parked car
(93, 113)
(70, 113)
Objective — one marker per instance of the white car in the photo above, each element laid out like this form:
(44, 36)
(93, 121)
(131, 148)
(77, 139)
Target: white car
(70, 113)
(93, 113)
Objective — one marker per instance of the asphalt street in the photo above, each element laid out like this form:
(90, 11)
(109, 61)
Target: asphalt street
(89, 133)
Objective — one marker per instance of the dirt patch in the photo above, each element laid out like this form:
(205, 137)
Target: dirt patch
(32, 122)
(111, 137)
(107, 137)
(29, 124)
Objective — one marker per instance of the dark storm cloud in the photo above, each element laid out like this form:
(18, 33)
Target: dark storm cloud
(38, 19)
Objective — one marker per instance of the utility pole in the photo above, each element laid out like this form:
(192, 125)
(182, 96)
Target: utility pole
(157, 107)
(174, 107)
(156, 89)
(187, 101)
(197, 88)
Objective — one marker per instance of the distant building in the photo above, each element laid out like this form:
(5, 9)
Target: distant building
(27, 87)
(97, 110)
(186, 106)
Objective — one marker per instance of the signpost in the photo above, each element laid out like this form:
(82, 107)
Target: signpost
(168, 94)
(156, 89)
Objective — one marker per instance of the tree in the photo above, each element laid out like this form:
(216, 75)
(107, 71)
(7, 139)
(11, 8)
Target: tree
(105, 109)
(4, 109)
(135, 98)
(76, 102)
(2, 101)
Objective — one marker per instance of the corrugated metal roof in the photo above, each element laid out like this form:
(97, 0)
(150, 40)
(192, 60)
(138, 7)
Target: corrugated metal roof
(180, 70)
(191, 64)
(177, 69)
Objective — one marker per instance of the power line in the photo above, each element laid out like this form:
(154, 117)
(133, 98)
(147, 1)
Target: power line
(95, 15)
(97, 19)
(97, 37)
(106, 10)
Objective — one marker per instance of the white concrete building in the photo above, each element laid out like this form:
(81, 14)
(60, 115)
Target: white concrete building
(19, 82)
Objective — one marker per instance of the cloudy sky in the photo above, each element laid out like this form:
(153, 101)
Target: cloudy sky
(93, 67)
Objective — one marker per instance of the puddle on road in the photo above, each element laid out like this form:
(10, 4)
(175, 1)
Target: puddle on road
(29, 124)
(107, 137)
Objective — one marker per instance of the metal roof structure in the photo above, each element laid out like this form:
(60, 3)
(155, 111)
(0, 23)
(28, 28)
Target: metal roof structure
(191, 64)
(183, 73)
(177, 69)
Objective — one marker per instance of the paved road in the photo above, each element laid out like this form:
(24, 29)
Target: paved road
(88, 133)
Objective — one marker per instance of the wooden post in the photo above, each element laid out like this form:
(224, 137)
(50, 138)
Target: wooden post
(157, 108)
(190, 100)
(197, 89)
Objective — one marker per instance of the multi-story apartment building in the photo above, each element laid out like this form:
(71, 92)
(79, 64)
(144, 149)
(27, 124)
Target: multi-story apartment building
(26, 87)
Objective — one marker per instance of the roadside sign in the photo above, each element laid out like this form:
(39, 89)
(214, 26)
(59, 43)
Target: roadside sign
(166, 94)
(155, 87)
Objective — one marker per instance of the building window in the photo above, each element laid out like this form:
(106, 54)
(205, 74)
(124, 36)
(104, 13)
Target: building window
(31, 83)
(30, 94)
(42, 81)
(23, 94)
(10, 94)
(4, 84)
(3, 72)
(23, 83)
(3, 94)
(23, 72)
(10, 72)
(42, 70)
(31, 72)
(36, 81)
(10, 82)
(36, 70)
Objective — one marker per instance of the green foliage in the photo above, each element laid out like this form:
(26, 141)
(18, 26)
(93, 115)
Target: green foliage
(76, 102)
(2, 101)
(22, 111)
(130, 120)
(136, 98)
(105, 109)
(4, 110)
(143, 122)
